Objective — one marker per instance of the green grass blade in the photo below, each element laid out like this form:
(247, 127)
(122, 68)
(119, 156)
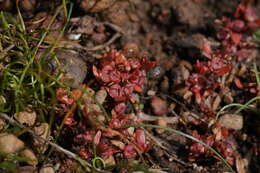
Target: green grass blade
(247, 103)
(20, 17)
(226, 107)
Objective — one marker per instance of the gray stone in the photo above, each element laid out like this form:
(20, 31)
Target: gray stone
(71, 64)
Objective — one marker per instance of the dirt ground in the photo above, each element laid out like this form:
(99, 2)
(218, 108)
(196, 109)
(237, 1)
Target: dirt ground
(149, 67)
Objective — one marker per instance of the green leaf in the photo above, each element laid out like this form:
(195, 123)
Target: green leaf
(7, 167)
(257, 35)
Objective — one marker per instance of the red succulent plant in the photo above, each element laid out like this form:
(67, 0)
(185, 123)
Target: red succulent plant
(235, 36)
(220, 140)
(121, 76)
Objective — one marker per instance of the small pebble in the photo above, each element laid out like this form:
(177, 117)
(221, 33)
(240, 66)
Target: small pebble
(131, 49)
(74, 36)
(98, 38)
(159, 106)
(100, 96)
(29, 154)
(231, 121)
(26, 117)
(156, 73)
(151, 93)
(9, 143)
(161, 122)
(110, 160)
(27, 5)
(118, 144)
(25, 169)
(164, 86)
(47, 170)
(95, 6)
(42, 131)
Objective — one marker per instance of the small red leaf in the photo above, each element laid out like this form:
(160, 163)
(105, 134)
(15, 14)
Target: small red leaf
(140, 136)
(116, 92)
(85, 153)
(115, 124)
(223, 34)
(254, 25)
(97, 137)
(250, 14)
(129, 152)
(134, 63)
(223, 70)
(70, 121)
(63, 97)
(106, 150)
(206, 49)
(120, 108)
(253, 90)
(85, 138)
(240, 10)
(140, 139)
(236, 37)
(238, 83)
(95, 72)
(237, 25)
(138, 89)
(147, 65)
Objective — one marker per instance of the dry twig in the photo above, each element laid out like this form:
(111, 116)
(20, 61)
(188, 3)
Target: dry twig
(114, 27)
(102, 46)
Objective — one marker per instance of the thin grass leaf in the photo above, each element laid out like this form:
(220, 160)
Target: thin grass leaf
(246, 104)
(63, 29)
(47, 30)
(22, 29)
(4, 23)
(64, 3)
(96, 161)
(226, 107)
